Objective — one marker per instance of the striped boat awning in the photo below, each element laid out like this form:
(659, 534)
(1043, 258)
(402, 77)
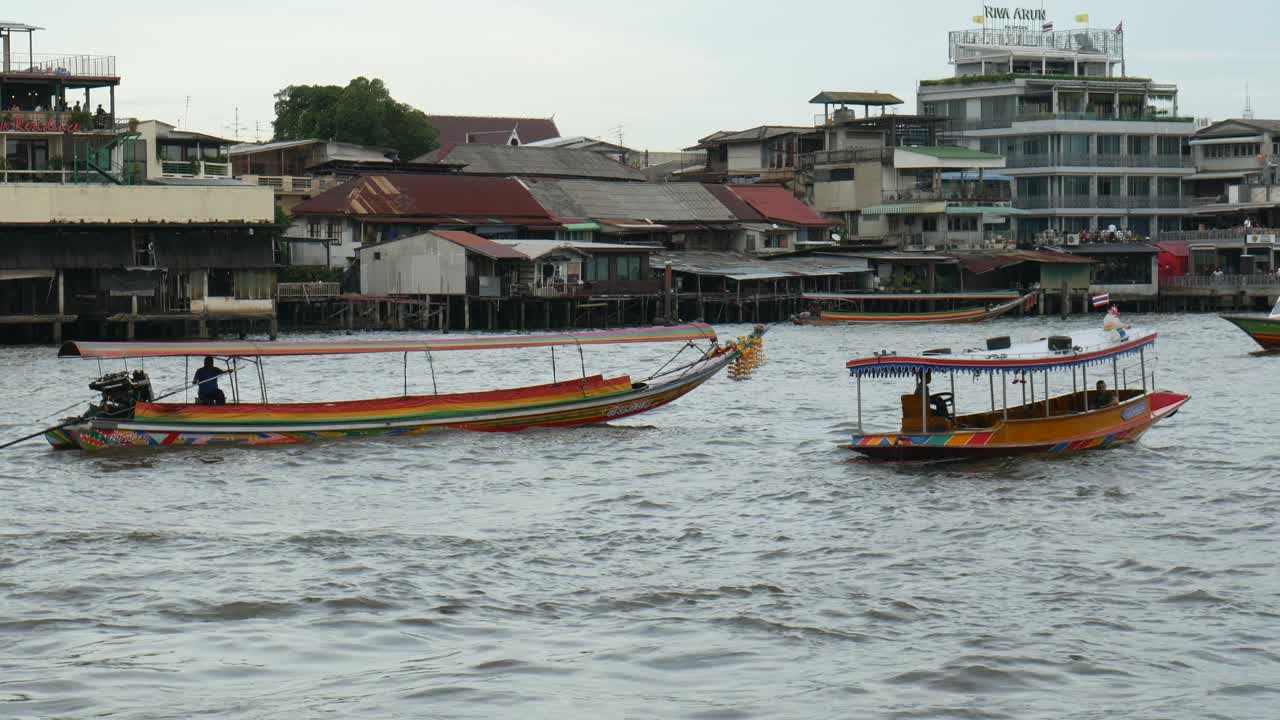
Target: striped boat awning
(925, 208)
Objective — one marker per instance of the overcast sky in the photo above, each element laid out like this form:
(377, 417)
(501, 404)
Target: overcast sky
(666, 71)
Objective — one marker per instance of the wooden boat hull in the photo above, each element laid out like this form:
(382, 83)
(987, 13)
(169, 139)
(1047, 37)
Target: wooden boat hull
(1265, 331)
(564, 404)
(1102, 428)
(961, 315)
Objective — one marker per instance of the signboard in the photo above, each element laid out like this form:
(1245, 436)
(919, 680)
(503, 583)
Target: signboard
(1017, 14)
(1261, 239)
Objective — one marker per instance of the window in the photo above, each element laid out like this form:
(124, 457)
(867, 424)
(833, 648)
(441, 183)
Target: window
(929, 224)
(142, 247)
(629, 267)
(596, 269)
(170, 152)
(962, 223)
(331, 231)
(1108, 185)
(313, 229)
(1108, 144)
(221, 283)
(1139, 186)
(1122, 270)
(841, 174)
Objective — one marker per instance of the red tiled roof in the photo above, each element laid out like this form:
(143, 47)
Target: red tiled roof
(484, 246)
(456, 128)
(736, 205)
(778, 204)
(429, 197)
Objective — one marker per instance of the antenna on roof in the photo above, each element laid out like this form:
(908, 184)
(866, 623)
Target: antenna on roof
(617, 130)
(1248, 104)
(186, 114)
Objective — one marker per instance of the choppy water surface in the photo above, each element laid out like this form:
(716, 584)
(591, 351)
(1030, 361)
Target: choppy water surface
(719, 558)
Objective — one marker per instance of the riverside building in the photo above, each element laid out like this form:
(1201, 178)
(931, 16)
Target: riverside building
(1087, 145)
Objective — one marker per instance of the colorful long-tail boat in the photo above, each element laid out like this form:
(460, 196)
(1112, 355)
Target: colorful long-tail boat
(128, 417)
(1087, 417)
(999, 302)
(1264, 329)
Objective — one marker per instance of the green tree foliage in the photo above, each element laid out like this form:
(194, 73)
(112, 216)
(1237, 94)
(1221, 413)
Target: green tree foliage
(363, 112)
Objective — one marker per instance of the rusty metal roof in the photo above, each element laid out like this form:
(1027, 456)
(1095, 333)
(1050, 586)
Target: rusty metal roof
(484, 246)
(428, 197)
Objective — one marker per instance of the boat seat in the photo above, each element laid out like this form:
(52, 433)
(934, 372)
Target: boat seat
(911, 417)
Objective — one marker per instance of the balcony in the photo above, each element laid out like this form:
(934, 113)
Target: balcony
(847, 156)
(50, 121)
(292, 184)
(1020, 160)
(194, 169)
(954, 195)
(1100, 202)
(1237, 235)
(562, 290)
(306, 291)
(56, 67)
(1101, 116)
(1226, 283)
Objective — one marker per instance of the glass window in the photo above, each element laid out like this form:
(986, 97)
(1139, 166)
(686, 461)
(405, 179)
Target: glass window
(1108, 144)
(170, 152)
(596, 269)
(629, 267)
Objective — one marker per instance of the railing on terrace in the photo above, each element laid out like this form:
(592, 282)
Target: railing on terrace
(1005, 121)
(194, 169)
(55, 65)
(1109, 202)
(850, 155)
(307, 290)
(929, 195)
(1237, 234)
(1022, 160)
(1214, 282)
(59, 177)
(291, 184)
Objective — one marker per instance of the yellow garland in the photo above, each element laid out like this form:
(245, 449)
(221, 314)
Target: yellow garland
(750, 350)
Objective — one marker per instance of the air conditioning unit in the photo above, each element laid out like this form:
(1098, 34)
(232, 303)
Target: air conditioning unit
(1073, 238)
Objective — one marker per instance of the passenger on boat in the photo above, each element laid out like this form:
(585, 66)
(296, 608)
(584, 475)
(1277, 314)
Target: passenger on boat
(937, 401)
(1104, 397)
(206, 379)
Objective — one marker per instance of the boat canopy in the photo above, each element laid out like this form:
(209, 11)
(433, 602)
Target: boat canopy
(1089, 348)
(975, 295)
(674, 333)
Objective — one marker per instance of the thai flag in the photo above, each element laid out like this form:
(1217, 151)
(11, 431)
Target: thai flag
(1101, 300)
(1047, 27)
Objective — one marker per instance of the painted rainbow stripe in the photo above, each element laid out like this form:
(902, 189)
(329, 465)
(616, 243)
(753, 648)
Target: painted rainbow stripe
(1264, 330)
(966, 439)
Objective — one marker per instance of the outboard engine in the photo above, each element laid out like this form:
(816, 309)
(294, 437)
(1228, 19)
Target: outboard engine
(121, 391)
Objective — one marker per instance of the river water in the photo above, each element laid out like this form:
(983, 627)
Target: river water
(722, 557)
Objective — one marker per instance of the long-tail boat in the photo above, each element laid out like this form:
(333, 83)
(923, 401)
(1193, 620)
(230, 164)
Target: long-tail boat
(997, 303)
(1084, 418)
(1264, 329)
(127, 416)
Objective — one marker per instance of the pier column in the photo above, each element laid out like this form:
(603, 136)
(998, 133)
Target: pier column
(133, 316)
(57, 323)
(466, 313)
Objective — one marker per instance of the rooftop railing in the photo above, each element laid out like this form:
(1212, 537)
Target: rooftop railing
(55, 66)
(1100, 202)
(849, 155)
(930, 195)
(1238, 234)
(1221, 282)
(1023, 160)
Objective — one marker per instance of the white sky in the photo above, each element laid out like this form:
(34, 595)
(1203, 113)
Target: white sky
(668, 71)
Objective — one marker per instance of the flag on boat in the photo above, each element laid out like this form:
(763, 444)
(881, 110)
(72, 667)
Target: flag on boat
(1046, 27)
(1082, 18)
(1101, 300)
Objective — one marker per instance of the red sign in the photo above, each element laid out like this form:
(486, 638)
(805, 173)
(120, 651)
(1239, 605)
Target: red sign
(21, 124)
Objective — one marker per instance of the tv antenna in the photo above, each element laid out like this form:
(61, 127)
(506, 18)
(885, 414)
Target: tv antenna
(1248, 104)
(616, 131)
(186, 114)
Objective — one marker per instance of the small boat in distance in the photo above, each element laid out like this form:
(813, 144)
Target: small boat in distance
(1264, 329)
(1085, 418)
(128, 417)
(998, 302)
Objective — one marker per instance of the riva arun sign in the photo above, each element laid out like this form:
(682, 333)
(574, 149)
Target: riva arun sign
(1013, 14)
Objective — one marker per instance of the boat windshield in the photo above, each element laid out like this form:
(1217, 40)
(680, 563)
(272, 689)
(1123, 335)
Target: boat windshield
(1275, 311)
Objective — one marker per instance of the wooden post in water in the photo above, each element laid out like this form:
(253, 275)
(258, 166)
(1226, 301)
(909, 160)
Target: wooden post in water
(133, 315)
(57, 323)
(1066, 300)
(666, 292)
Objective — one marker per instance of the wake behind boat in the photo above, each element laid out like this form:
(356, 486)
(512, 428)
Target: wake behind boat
(997, 303)
(127, 416)
(1085, 418)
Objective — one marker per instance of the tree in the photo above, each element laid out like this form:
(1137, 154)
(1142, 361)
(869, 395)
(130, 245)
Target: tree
(363, 113)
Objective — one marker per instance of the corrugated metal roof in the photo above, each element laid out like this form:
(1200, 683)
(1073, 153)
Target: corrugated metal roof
(455, 129)
(839, 97)
(739, 266)
(735, 204)
(532, 161)
(649, 202)
(484, 246)
(778, 204)
(981, 264)
(429, 197)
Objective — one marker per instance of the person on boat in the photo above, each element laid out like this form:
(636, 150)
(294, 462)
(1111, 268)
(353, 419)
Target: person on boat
(937, 402)
(1112, 323)
(1102, 396)
(206, 379)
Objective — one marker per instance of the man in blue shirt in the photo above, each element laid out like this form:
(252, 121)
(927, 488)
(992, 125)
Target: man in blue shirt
(206, 380)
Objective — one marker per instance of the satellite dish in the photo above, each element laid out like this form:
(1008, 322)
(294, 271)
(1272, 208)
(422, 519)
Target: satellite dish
(835, 237)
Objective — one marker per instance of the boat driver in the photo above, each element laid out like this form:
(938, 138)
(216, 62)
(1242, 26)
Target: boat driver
(1103, 396)
(206, 379)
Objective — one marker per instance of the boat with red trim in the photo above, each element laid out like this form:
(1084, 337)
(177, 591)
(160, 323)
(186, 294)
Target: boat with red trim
(127, 416)
(1056, 422)
(997, 303)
